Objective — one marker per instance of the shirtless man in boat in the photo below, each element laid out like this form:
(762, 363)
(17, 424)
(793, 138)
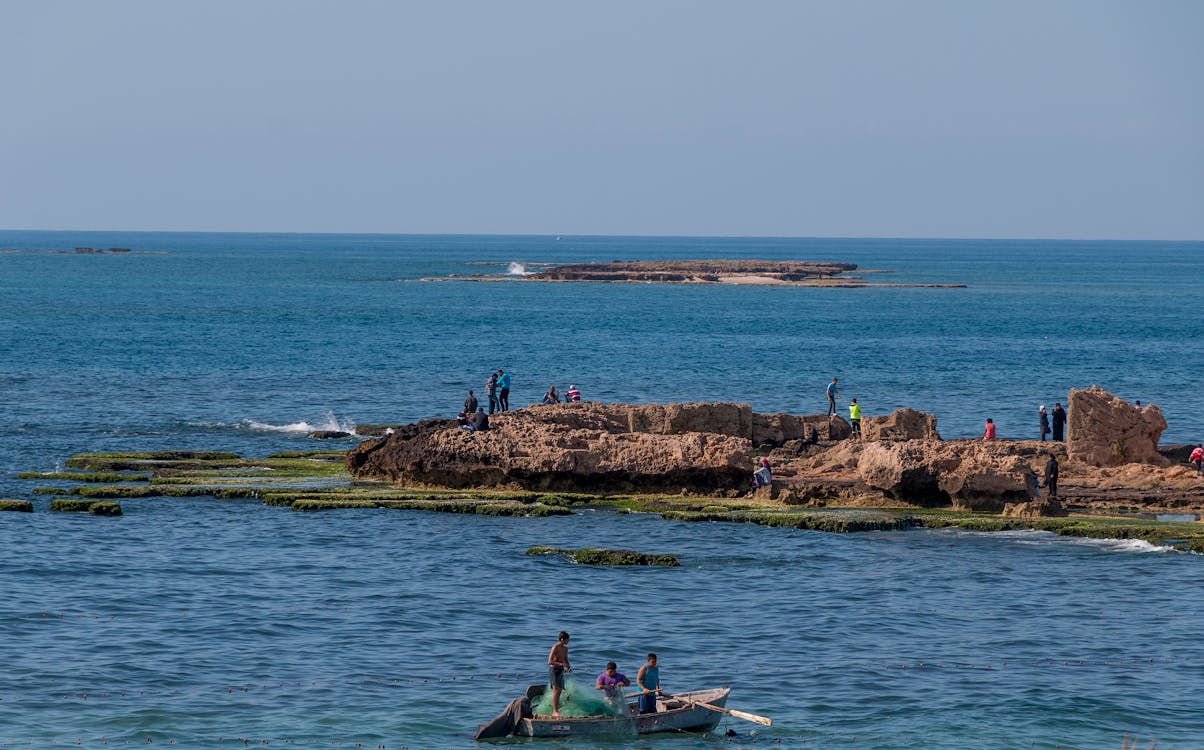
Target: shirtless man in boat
(558, 664)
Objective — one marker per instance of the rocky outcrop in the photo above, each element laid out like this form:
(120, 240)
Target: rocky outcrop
(1105, 430)
(966, 474)
(1044, 508)
(327, 434)
(901, 424)
(587, 446)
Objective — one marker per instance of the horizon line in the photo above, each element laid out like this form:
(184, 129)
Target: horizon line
(634, 236)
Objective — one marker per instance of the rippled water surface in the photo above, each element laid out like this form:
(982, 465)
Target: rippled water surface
(193, 620)
(201, 623)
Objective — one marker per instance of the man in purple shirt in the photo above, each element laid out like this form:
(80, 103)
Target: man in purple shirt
(611, 679)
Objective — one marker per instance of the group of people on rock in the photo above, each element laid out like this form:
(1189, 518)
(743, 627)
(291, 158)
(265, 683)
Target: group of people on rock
(497, 388)
(572, 395)
(473, 417)
(1043, 417)
(648, 679)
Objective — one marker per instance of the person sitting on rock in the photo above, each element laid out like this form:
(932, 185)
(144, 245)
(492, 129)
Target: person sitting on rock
(480, 422)
(572, 394)
(551, 397)
(812, 435)
(989, 434)
(762, 477)
(465, 419)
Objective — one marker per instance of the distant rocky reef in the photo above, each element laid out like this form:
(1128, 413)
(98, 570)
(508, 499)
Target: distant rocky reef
(737, 272)
(83, 251)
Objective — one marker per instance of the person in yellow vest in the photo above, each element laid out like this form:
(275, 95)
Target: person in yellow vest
(855, 417)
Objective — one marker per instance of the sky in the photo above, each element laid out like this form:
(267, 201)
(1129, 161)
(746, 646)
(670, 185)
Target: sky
(843, 118)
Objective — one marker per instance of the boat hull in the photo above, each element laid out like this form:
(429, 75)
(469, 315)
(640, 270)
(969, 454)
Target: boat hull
(674, 714)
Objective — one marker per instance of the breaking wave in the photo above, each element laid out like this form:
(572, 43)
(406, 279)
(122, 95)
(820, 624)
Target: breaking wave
(328, 422)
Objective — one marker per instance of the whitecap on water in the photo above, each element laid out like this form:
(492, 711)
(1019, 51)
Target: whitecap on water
(1045, 538)
(516, 269)
(328, 422)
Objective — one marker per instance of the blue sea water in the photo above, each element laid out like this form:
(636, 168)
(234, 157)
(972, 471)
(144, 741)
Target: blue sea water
(186, 621)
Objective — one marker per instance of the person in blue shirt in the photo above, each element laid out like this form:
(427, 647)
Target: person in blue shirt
(503, 390)
(833, 394)
(648, 679)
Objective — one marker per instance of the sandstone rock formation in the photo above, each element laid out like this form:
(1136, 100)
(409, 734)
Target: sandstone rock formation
(595, 447)
(965, 473)
(1104, 430)
(1042, 508)
(901, 424)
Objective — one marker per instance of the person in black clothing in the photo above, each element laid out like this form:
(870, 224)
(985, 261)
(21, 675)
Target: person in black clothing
(1059, 422)
(1044, 422)
(1051, 476)
(470, 404)
(480, 423)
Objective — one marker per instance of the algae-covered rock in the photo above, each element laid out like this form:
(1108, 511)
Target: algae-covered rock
(72, 505)
(18, 506)
(99, 477)
(599, 556)
(105, 508)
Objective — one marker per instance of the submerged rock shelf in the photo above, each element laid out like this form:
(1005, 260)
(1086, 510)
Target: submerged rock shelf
(692, 463)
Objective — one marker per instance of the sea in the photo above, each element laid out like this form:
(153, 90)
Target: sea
(199, 623)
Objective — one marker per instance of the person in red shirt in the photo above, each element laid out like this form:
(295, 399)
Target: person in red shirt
(1197, 457)
(990, 431)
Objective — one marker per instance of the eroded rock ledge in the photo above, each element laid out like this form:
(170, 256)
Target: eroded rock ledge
(709, 449)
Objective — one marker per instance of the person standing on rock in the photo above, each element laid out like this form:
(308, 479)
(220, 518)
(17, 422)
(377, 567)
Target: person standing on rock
(1059, 422)
(989, 433)
(491, 392)
(1197, 457)
(470, 404)
(1044, 422)
(503, 390)
(1051, 476)
(833, 394)
(855, 417)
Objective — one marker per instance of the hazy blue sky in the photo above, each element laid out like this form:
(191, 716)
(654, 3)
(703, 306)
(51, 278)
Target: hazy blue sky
(842, 118)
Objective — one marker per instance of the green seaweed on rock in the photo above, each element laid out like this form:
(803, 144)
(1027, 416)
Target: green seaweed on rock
(82, 476)
(17, 506)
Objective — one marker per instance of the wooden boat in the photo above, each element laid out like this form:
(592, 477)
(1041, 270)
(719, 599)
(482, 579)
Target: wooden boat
(675, 713)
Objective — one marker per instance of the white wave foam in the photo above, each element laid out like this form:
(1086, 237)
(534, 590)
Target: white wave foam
(516, 269)
(328, 422)
(1036, 537)
(1124, 545)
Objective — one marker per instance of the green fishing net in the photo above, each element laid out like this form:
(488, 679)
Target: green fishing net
(578, 699)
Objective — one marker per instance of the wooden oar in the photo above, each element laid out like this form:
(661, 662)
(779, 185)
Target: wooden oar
(762, 720)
